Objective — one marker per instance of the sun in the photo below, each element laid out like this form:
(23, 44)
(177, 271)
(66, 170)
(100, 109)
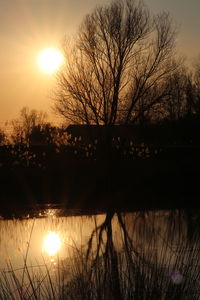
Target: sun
(52, 243)
(50, 60)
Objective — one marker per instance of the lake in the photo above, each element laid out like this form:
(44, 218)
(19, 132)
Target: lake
(80, 255)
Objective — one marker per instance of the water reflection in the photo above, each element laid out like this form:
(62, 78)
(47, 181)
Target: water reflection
(52, 243)
(104, 256)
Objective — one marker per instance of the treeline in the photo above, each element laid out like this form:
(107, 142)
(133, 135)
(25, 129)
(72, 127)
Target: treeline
(42, 145)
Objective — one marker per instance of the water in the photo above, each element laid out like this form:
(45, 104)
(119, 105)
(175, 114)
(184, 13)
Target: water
(151, 252)
(18, 235)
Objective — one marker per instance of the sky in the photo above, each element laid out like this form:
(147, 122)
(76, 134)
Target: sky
(29, 26)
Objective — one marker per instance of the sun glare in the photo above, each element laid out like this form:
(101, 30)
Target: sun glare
(50, 60)
(52, 243)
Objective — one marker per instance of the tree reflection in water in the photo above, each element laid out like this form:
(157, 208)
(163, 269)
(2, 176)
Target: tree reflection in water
(158, 258)
(141, 255)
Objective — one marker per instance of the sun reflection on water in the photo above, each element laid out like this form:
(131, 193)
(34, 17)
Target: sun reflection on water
(52, 243)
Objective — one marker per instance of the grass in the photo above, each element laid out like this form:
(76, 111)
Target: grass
(146, 255)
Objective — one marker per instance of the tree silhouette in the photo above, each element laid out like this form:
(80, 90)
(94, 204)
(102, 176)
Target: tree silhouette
(196, 87)
(175, 105)
(44, 134)
(24, 125)
(2, 137)
(118, 66)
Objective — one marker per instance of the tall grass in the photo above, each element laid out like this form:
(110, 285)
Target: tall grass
(146, 257)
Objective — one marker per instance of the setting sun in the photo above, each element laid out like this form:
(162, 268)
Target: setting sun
(52, 243)
(49, 60)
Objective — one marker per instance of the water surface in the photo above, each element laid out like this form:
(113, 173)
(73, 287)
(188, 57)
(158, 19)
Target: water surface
(159, 247)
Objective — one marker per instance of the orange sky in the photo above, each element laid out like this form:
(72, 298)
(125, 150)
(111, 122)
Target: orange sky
(28, 26)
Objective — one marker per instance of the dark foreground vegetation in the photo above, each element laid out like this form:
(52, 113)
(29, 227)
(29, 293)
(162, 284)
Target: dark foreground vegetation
(106, 167)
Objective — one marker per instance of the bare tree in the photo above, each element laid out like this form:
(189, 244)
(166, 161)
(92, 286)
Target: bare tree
(117, 68)
(175, 105)
(24, 125)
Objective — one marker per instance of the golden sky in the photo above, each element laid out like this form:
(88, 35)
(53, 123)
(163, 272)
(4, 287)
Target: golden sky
(29, 26)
